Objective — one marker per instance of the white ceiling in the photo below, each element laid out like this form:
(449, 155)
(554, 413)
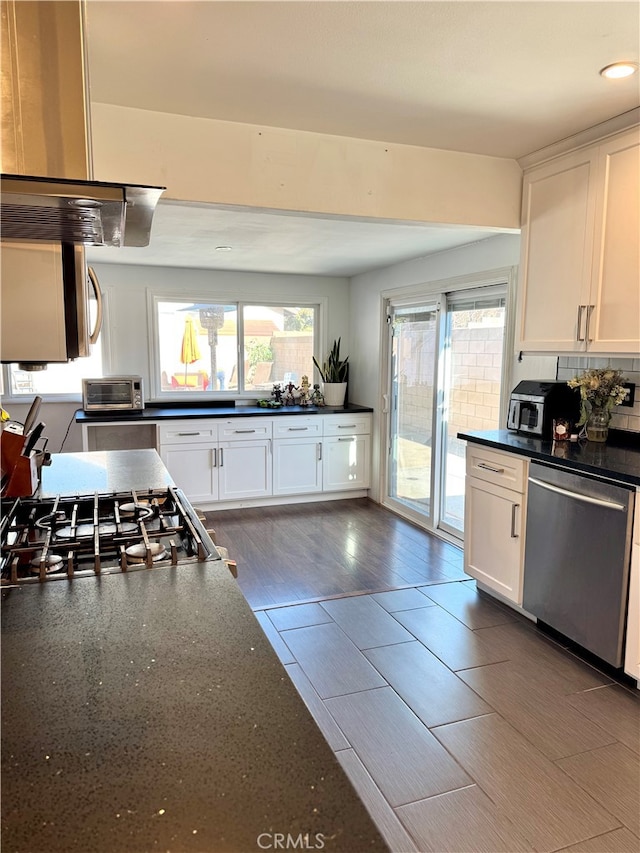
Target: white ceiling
(498, 78)
(266, 241)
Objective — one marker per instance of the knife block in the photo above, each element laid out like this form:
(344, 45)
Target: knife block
(23, 480)
(11, 446)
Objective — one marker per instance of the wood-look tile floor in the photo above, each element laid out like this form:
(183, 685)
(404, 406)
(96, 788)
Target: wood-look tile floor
(461, 726)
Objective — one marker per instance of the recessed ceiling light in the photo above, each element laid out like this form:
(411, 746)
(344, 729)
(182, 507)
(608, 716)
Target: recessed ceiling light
(618, 70)
(223, 248)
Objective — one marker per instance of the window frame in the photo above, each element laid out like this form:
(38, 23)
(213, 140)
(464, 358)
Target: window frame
(241, 301)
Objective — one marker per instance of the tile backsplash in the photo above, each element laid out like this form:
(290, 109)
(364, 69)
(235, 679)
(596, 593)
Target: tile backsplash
(623, 417)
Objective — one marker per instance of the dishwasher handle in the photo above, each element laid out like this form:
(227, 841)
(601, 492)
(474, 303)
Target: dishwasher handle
(577, 496)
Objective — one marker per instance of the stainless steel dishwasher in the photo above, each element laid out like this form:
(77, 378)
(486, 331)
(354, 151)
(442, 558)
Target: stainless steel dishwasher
(577, 557)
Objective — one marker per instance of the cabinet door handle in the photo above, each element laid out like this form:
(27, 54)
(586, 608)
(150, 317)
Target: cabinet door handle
(298, 429)
(578, 496)
(93, 278)
(319, 451)
(590, 309)
(346, 439)
(221, 457)
(244, 430)
(346, 426)
(514, 507)
(490, 468)
(579, 326)
(189, 433)
(215, 457)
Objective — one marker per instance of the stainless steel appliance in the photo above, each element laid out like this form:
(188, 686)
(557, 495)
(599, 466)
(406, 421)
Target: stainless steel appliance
(535, 403)
(90, 213)
(45, 304)
(577, 557)
(83, 536)
(47, 195)
(113, 393)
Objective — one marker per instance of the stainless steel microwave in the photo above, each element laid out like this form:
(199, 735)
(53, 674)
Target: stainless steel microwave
(45, 303)
(113, 393)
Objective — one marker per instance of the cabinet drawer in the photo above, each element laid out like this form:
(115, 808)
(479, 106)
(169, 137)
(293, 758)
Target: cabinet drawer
(187, 432)
(240, 429)
(492, 466)
(298, 426)
(347, 424)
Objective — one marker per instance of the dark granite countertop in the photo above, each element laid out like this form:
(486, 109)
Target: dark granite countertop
(160, 412)
(103, 471)
(147, 711)
(609, 459)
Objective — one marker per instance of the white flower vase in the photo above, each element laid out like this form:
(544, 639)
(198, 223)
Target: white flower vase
(334, 393)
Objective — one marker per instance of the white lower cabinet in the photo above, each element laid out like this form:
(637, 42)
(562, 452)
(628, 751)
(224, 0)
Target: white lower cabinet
(345, 462)
(495, 520)
(209, 469)
(297, 466)
(253, 458)
(188, 449)
(193, 468)
(244, 469)
(346, 452)
(297, 455)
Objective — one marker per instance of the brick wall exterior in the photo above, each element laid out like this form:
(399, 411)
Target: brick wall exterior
(475, 398)
(292, 353)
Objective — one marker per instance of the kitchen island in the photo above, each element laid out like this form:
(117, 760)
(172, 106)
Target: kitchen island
(147, 710)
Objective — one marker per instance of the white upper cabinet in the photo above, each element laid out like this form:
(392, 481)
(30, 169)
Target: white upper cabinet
(615, 276)
(579, 265)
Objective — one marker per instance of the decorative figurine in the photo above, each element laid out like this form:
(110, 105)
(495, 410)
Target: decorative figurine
(277, 393)
(303, 399)
(316, 397)
(290, 397)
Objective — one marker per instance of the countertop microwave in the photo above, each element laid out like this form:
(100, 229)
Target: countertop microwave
(113, 393)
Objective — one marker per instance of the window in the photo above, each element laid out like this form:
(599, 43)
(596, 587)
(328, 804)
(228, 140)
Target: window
(58, 379)
(232, 347)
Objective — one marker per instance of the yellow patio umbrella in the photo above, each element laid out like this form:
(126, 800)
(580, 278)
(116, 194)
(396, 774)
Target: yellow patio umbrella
(190, 349)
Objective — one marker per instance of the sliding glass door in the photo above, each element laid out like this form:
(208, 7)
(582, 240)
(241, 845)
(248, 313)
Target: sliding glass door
(413, 349)
(471, 378)
(445, 375)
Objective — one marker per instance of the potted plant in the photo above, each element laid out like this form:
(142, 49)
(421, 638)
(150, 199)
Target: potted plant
(334, 372)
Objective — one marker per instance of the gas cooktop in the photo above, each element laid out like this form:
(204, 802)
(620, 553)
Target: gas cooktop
(66, 537)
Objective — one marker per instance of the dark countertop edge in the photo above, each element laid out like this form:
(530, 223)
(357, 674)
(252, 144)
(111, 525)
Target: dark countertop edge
(160, 412)
(544, 454)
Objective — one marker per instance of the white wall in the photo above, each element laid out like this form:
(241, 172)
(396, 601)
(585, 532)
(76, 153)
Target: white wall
(126, 287)
(224, 162)
(58, 417)
(366, 318)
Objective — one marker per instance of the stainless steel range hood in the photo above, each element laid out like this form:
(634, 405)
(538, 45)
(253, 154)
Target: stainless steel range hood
(47, 189)
(92, 213)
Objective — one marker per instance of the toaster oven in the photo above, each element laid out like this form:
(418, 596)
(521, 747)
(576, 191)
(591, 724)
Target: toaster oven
(113, 393)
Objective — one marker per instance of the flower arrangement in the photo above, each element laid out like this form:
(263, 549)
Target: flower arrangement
(600, 388)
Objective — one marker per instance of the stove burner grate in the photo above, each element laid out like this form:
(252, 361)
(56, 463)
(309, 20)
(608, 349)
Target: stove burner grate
(65, 537)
